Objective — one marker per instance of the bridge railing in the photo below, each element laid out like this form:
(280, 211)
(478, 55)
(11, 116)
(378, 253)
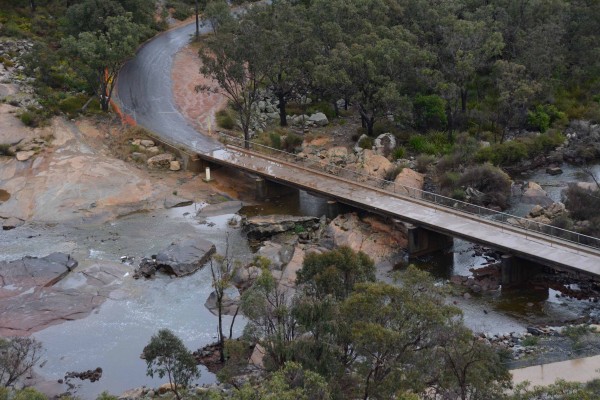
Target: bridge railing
(321, 165)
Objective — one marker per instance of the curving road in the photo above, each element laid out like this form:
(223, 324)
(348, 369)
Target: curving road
(144, 90)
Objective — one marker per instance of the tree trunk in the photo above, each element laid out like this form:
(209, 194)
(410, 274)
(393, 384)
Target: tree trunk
(336, 109)
(32, 4)
(463, 100)
(221, 337)
(370, 123)
(282, 111)
(450, 115)
(233, 321)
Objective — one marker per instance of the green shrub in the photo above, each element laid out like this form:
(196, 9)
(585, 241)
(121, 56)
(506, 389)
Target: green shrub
(72, 104)
(384, 126)
(530, 341)
(181, 10)
(224, 120)
(398, 153)
(292, 141)
(491, 181)
(506, 153)
(423, 161)
(275, 140)
(430, 112)
(459, 194)
(449, 181)
(538, 119)
(321, 106)
(31, 118)
(391, 174)
(366, 143)
(299, 228)
(435, 143)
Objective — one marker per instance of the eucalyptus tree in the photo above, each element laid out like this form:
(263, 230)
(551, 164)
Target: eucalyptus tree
(291, 50)
(233, 56)
(103, 52)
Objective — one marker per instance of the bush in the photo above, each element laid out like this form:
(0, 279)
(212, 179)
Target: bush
(506, 153)
(423, 162)
(430, 113)
(393, 173)
(583, 204)
(291, 142)
(275, 140)
(435, 143)
(72, 105)
(181, 10)
(366, 143)
(322, 106)
(538, 119)
(398, 153)
(459, 194)
(224, 120)
(32, 119)
(491, 181)
(384, 126)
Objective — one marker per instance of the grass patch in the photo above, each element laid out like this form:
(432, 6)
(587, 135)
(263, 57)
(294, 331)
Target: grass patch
(225, 120)
(5, 150)
(393, 173)
(530, 341)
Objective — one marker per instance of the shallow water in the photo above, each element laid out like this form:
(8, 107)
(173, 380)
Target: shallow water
(114, 335)
(577, 370)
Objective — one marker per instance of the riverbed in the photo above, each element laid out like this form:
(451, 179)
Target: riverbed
(113, 336)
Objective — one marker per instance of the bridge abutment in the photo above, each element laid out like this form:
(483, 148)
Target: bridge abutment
(517, 271)
(422, 241)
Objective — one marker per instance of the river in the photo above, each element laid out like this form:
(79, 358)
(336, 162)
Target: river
(113, 336)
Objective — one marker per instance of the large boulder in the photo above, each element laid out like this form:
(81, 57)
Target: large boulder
(337, 155)
(407, 180)
(384, 144)
(534, 194)
(161, 161)
(262, 227)
(319, 119)
(278, 254)
(375, 165)
(179, 259)
(377, 238)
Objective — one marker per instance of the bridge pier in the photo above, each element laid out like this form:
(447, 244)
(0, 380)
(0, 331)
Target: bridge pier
(516, 271)
(422, 241)
(193, 163)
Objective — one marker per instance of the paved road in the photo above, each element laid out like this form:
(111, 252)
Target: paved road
(144, 90)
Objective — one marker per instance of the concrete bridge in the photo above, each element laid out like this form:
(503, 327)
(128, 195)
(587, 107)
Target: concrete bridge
(144, 93)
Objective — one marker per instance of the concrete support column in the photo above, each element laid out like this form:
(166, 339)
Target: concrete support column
(516, 271)
(333, 209)
(261, 188)
(422, 241)
(193, 163)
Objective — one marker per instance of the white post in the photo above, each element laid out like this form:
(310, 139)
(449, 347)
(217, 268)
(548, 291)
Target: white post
(207, 175)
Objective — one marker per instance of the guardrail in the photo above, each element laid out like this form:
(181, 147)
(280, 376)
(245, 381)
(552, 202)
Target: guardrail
(430, 197)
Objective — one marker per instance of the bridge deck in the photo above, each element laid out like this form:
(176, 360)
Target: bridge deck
(530, 245)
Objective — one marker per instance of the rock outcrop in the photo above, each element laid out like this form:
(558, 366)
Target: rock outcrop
(371, 235)
(179, 259)
(263, 227)
(39, 292)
